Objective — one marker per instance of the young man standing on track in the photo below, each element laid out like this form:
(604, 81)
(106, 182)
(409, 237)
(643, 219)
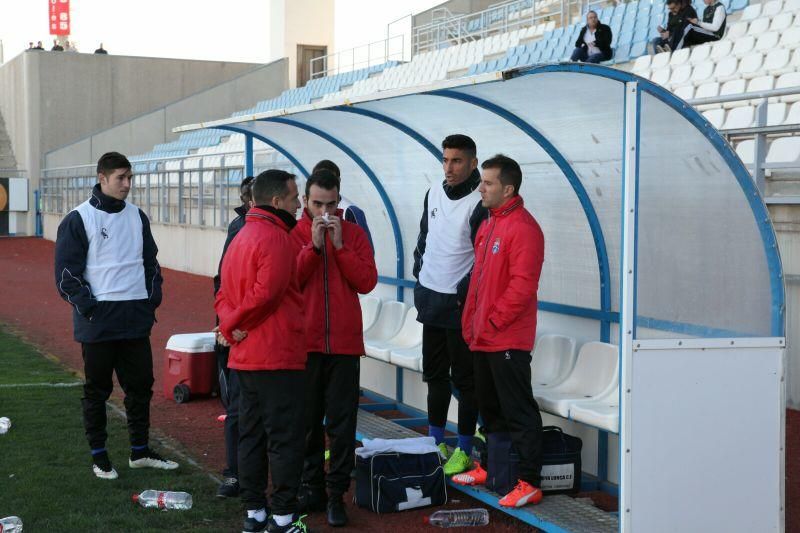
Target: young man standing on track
(106, 268)
(499, 324)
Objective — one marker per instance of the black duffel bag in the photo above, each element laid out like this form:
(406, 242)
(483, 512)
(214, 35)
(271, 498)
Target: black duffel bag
(391, 482)
(561, 462)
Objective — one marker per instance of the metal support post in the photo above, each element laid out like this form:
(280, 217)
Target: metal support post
(760, 148)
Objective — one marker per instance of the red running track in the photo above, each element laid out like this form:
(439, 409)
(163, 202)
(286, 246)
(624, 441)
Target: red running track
(31, 305)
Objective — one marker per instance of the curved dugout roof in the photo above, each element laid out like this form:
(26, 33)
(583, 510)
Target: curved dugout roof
(706, 254)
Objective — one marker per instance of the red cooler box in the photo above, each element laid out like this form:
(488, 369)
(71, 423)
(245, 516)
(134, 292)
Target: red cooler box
(190, 366)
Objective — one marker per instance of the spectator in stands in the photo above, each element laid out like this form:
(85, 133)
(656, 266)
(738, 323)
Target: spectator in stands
(500, 324)
(594, 41)
(228, 380)
(335, 264)
(443, 257)
(101, 50)
(106, 268)
(30, 46)
(671, 37)
(38, 46)
(259, 300)
(711, 28)
(352, 213)
(56, 47)
(69, 46)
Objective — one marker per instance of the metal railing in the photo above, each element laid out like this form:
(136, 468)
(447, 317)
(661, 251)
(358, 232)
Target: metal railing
(366, 55)
(177, 190)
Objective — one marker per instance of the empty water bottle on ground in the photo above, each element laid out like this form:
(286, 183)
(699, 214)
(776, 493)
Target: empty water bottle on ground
(5, 424)
(458, 518)
(163, 499)
(10, 524)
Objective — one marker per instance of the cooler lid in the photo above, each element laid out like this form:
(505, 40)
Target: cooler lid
(192, 342)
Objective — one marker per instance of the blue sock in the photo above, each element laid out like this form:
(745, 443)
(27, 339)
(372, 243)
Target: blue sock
(98, 450)
(139, 448)
(465, 443)
(437, 433)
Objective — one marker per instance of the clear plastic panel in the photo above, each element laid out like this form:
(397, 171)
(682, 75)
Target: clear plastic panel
(702, 270)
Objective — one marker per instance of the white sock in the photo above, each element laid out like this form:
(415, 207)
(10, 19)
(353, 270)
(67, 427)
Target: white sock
(259, 515)
(282, 519)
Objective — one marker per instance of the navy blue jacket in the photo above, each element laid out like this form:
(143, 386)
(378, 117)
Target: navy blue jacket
(98, 321)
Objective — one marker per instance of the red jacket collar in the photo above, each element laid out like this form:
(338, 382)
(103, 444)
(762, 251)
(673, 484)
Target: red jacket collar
(281, 219)
(512, 204)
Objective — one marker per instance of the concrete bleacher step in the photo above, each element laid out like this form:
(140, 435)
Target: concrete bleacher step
(557, 513)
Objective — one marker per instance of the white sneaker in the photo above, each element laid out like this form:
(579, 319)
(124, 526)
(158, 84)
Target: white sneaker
(150, 459)
(103, 474)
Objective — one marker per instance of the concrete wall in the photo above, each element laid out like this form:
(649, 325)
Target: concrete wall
(140, 134)
(295, 22)
(48, 100)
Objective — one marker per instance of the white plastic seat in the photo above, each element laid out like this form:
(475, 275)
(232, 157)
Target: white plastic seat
(785, 151)
(785, 81)
(642, 64)
(793, 116)
(761, 83)
(777, 61)
(753, 11)
(776, 113)
(602, 413)
(767, 42)
(781, 22)
(739, 117)
(791, 6)
(553, 359)
(680, 75)
(790, 38)
(410, 358)
(721, 49)
(660, 76)
(732, 87)
(750, 65)
(726, 69)
(707, 90)
(680, 57)
(700, 54)
(736, 30)
(702, 73)
(389, 322)
(715, 117)
(744, 46)
(772, 8)
(756, 28)
(660, 60)
(746, 150)
(370, 307)
(595, 375)
(684, 93)
(409, 336)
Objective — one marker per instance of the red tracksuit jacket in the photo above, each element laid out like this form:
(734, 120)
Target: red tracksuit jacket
(330, 282)
(500, 308)
(259, 294)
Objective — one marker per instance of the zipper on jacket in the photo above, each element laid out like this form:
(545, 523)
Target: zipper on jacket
(325, 288)
(492, 221)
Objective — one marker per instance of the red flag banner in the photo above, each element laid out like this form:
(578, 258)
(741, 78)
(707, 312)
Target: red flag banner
(58, 17)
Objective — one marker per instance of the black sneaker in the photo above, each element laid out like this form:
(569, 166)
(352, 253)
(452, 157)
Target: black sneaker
(229, 488)
(102, 466)
(147, 458)
(251, 525)
(337, 515)
(296, 526)
(311, 500)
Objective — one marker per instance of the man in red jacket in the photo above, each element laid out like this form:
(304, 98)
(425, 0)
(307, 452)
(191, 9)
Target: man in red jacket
(260, 311)
(499, 324)
(334, 265)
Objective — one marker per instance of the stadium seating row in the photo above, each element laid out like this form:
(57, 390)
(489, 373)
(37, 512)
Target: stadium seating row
(582, 386)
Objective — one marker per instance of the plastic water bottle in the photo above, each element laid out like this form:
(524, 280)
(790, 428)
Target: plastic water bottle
(163, 499)
(5, 424)
(459, 518)
(11, 524)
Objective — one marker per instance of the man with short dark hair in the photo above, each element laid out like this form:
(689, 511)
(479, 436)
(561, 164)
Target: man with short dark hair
(260, 311)
(334, 266)
(56, 46)
(228, 380)
(500, 324)
(594, 41)
(38, 46)
(351, 212)
(671, 37)
(106, 268)
(710, 29)
(101, 50)
(443, 257)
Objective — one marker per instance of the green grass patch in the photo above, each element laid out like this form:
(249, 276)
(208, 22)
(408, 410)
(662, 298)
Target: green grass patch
(45, 465)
